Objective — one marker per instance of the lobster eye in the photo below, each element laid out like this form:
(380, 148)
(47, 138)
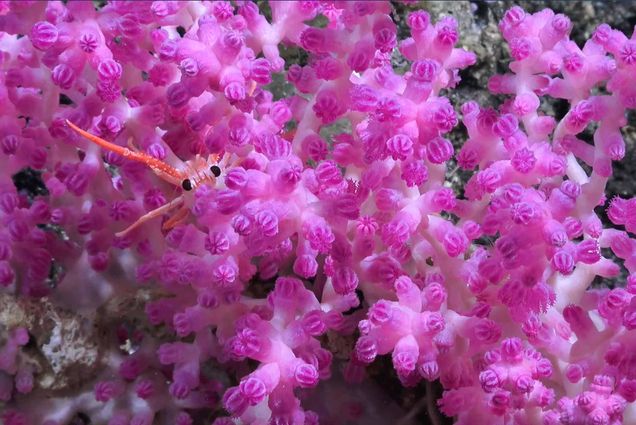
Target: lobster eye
(186, 184)
(215, 170)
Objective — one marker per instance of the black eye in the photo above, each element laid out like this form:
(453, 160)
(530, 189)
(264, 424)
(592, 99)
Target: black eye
(186, 184)
(215, 170)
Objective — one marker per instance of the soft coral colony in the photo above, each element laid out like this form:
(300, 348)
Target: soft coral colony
(362, 234)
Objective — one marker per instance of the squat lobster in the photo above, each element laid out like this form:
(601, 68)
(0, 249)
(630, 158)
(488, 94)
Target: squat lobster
(191, 175)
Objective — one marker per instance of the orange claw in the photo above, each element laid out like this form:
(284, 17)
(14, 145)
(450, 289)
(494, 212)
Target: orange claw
(176, 219)
(250, 91)
(169, 173)
(157, 212)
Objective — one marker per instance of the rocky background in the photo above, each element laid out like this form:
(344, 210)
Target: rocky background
(66, 347)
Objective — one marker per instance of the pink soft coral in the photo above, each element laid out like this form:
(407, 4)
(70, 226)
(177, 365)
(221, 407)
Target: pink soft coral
(485, 290)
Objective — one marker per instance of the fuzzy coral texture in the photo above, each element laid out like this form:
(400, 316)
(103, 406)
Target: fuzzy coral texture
(257, 236)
